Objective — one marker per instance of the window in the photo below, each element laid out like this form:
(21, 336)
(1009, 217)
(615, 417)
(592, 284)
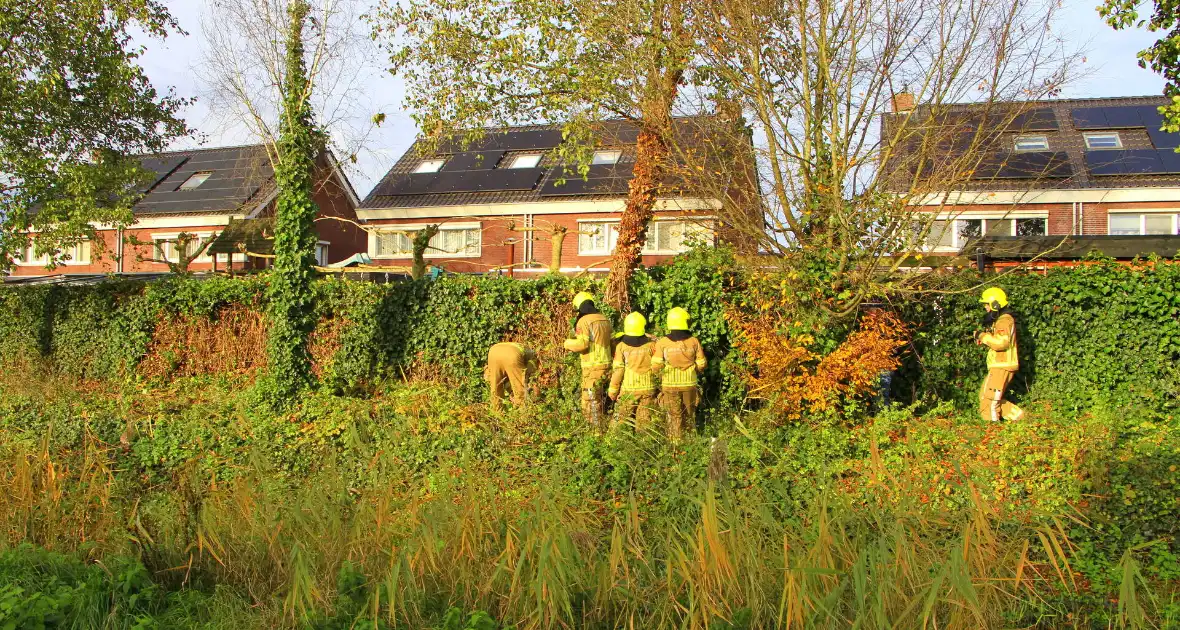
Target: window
(530, 160)
(166, 247)
(1032, 143)
(944, 236)
(606, 157)
(663, 237)
(321, 253)
(195, 180)
(429, 166)
(1103, 141)
(452, 241)
(78, 253)
(1136, 224)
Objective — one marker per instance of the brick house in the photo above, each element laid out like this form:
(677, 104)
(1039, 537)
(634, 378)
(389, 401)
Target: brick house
(498, 201)
(200, 192)
(1067, 177)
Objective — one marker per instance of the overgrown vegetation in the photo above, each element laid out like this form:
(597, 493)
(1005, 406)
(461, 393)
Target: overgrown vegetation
(389, 497)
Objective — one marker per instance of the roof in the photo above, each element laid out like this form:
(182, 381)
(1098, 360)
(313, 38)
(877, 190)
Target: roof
(1147, 157)
(1072, 247)
(475, 173)
(236, 176)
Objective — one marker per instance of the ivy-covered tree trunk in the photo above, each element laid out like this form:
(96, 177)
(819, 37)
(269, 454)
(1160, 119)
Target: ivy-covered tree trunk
(650, 153)
(291, 299)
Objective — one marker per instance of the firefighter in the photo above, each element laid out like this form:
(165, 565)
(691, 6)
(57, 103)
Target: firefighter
(999, 335)
(592, 340)
(679, 359)
(512, 363)
(632, 383)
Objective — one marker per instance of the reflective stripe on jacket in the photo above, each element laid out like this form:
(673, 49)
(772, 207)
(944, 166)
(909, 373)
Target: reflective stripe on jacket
(679, 362)
(592, 340)
(1001, 344)
(632, 369)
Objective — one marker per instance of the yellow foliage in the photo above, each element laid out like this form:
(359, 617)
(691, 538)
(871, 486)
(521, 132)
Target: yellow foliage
(795, 379)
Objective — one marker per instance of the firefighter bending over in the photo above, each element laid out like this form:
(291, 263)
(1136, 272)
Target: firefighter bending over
(999, 335)
(510, 363)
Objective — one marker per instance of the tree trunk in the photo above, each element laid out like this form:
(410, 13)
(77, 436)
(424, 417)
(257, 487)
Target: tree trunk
(421, 242)
(651, 152)
(556, 240)
(291, 296)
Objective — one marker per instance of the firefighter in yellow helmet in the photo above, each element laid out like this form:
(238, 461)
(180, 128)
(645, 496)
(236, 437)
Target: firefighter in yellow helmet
(510, 363)
(592, 340)
(632, 383)
(999, 335)
(679, 359)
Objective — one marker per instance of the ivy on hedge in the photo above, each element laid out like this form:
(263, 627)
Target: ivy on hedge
(1100, 333)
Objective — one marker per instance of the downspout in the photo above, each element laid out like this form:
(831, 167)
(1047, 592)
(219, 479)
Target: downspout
(119, 251)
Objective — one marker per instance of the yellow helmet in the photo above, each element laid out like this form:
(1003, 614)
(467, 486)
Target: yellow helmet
(582, 296)
(994, 295)
(677, 319)
(635, 325)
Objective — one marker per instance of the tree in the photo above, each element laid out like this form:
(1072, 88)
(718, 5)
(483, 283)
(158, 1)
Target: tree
(472, 63)
(844, 159)
(75, 104)
(290, 293)
(1164, 55)
(186, 245)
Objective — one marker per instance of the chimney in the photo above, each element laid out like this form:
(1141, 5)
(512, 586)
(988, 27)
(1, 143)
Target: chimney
(903, 102)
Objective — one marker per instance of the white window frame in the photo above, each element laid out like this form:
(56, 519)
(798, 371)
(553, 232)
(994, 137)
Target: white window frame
(169, 250)
(612, 227)
(1042, 141)
(430, 166)
(959, 241)
(430, 253)
(323, 262)
(1118, 141)
(204, 177)
(517, 161)
(606, 157)
(1143, 212)
(28, 260)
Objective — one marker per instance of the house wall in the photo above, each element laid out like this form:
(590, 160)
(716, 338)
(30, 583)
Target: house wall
(1061, 220)
(501, 246)
(345, 239)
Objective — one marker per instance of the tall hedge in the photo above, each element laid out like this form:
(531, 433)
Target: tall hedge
(1100, 333)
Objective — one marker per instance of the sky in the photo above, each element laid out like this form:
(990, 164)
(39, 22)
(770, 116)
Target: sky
(1111, 70)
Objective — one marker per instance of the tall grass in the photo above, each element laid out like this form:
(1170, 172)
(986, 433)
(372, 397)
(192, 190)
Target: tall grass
(545, 559)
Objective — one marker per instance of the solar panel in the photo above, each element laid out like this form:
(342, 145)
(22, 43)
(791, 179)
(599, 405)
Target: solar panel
(1123, 117)
(1025, 166)
(1039, 119)
(1105, 162)
(1169, 161)
(600, 179)
(1089, 118)
(460, 181)
(162, 167)
(473, 160)
(1162, 139)
(506, 141)
(1142, 161)
(1133, 162)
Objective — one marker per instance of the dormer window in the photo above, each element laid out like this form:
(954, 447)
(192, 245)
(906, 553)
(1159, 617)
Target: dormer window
(429, 166)
(1031, 143)
(1106, 140)
(195, 180)
(606, 157)
(525, 160)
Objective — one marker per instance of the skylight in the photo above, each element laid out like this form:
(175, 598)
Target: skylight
(528, 160)
(606, 157)
(195, 180)
(430, 166)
